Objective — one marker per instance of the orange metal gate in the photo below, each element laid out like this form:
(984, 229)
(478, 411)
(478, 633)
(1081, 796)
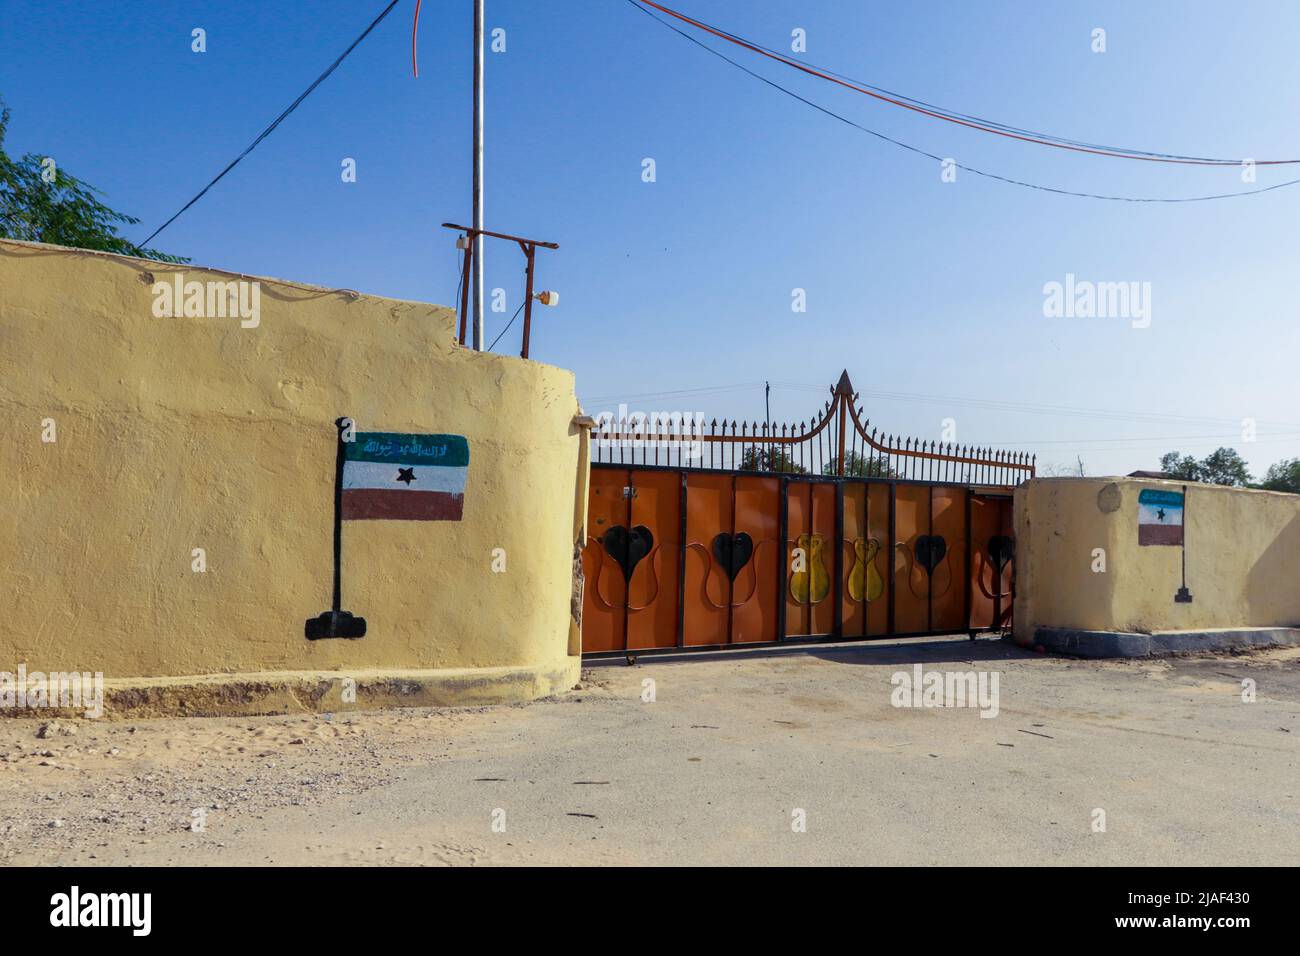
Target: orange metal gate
(746, 533)
(681, 558)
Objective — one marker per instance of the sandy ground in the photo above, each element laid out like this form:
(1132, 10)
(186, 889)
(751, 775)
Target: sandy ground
(714, 770)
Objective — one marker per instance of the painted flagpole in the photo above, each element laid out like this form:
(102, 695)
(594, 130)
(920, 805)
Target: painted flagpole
(337, 622)
(340, 456)
(1182, 595)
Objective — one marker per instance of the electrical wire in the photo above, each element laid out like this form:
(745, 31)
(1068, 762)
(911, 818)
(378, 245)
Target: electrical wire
(1069, 411)
(1119, 443)
(278, 120)
(988, 122)
(507, 328)
(1091, 445)
(636, 4)
(973, 122)
(415, 29)
(460, 279)
(682, 391)
(1036, 408)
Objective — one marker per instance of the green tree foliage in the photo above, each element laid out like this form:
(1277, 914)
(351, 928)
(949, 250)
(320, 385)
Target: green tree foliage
(1183, 467)
(1283, 476)
(770, 459)
(859, 466)
(63, 211)
(1225, 467)
(1221, 467)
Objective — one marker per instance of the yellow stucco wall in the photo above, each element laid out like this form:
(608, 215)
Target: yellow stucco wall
(1243, 558)
(183, 433)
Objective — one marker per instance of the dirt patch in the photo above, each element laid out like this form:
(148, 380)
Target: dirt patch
(84, 785)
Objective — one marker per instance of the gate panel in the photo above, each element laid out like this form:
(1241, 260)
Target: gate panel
(825, 556)
(732, 559)
(878, 505)
(694, 558)
(798, 516)
(992, 561)
(708, 514)
(810, 527)
(948, 580)
(604, 593)
(652, 588)
(911, 580)
(756, 593)
(855, 591)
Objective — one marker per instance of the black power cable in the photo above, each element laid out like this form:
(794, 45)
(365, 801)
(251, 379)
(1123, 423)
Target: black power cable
(507, 328)
(278, 120)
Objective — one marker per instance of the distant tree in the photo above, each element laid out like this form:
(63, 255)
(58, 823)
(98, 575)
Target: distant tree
(1180, 466)
(770, 459)
(1283, 476)
(860, 466)
(1225, 467)
(63, 210)
(1054, 470)
(1221, 467)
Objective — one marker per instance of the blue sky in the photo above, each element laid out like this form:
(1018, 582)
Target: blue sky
(930, 293)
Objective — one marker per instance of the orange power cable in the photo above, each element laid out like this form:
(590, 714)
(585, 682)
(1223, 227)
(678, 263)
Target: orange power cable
(1115, 153)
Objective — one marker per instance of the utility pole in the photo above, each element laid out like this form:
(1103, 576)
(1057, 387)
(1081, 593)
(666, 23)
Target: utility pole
(477, 239)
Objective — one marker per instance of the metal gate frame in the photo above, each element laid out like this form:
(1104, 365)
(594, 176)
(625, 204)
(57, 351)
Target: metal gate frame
(837, 447)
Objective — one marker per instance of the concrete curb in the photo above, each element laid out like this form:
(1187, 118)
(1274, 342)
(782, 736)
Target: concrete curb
(1079, 643)
(300, 692)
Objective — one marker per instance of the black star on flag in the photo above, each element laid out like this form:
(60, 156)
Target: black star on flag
(406, 475)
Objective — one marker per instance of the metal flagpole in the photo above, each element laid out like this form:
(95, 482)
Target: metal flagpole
(477, 221)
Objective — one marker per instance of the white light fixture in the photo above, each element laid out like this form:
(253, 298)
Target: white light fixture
(547, 298)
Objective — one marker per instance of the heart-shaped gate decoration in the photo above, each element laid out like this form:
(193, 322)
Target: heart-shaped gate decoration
(1002, 551)
(930, 549)
(628, 547)
(732, 552)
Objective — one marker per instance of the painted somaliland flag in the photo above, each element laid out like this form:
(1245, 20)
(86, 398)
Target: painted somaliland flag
(404, 477)
(1160, 517)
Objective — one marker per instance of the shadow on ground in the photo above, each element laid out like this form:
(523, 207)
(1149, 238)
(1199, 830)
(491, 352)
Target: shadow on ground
(957, 648)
